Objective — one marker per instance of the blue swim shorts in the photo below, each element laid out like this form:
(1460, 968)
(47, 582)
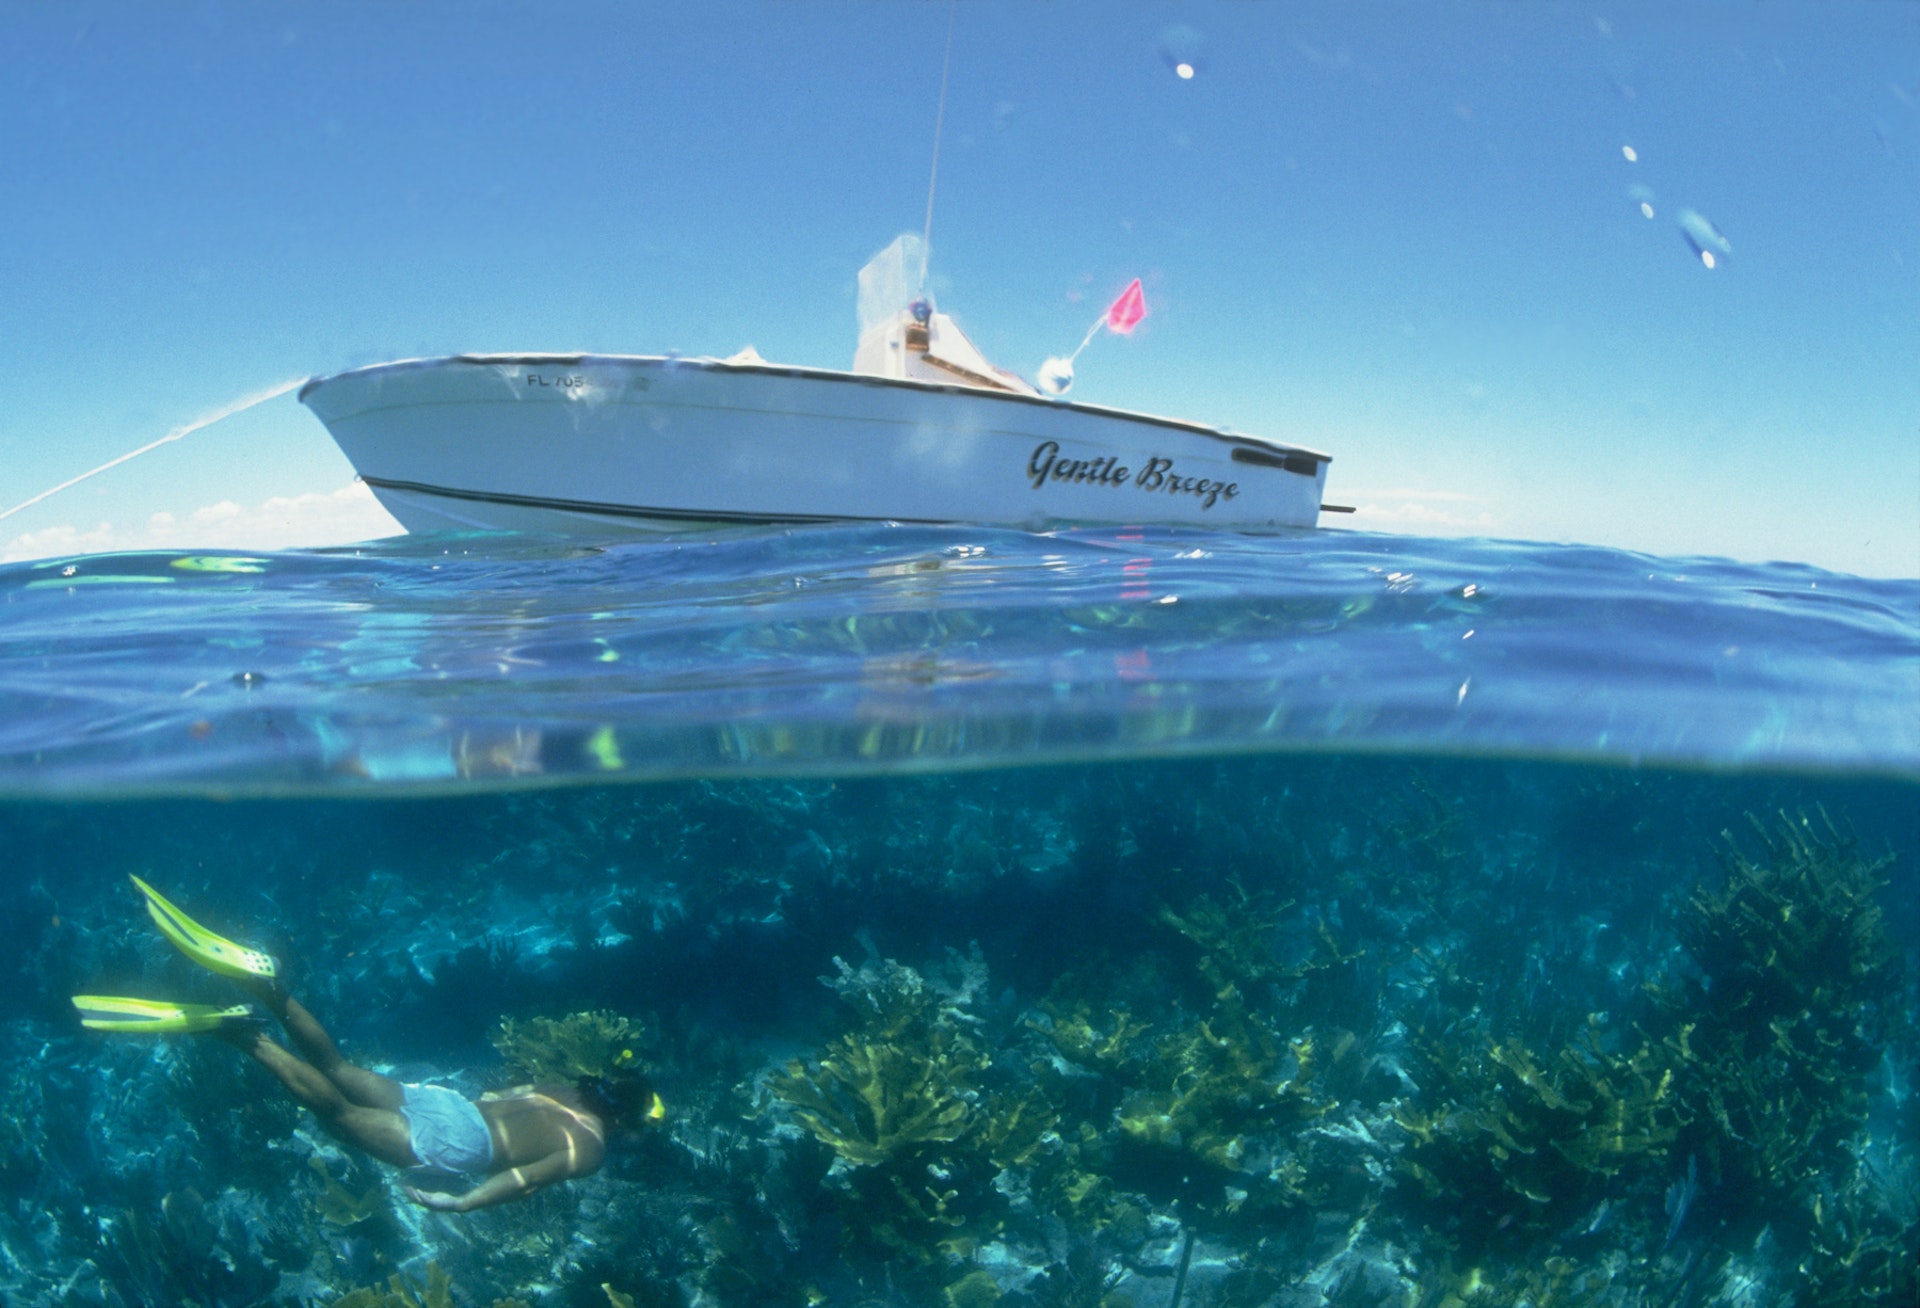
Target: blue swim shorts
(449, 1136)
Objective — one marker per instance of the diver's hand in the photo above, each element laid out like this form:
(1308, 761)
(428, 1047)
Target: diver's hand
(440, 1203)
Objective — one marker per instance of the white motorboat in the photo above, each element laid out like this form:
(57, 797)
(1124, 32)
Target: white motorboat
(923, 429)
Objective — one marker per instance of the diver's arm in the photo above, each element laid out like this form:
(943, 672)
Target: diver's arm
(501, 1187)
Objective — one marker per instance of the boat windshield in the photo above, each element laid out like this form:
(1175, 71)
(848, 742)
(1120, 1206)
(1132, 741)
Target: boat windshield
(891, 280)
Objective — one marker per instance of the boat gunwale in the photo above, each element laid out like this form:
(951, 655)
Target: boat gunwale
(819, 374)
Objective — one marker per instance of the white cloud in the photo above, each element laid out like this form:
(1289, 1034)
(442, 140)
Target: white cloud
(284, 522)
(1435, 512)
(1415, 493)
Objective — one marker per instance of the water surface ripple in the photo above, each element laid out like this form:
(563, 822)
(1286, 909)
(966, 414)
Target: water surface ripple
(457, 661)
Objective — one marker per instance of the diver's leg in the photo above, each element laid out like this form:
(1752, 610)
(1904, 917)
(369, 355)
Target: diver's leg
(367, 1089)
(381, 1132)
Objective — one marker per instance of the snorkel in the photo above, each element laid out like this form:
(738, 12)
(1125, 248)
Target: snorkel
(621, 1097)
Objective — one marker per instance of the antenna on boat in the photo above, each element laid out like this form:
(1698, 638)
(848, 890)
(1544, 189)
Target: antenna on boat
(240, 405)
(939, 120)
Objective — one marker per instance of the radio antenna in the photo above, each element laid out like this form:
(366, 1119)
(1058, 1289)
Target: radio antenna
(939, 119)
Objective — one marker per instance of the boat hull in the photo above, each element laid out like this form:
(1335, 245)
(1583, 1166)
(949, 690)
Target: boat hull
(610, 445)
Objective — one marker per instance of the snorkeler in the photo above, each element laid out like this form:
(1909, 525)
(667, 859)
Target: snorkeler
(522, 1139)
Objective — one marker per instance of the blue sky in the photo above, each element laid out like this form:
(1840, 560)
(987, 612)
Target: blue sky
(1402, 233)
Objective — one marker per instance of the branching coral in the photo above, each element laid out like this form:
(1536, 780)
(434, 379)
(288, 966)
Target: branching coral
(567, 1048)
(892, 998)
(1556, 1283)
(1602, 1112)
(1794, 942)
(873, 1096)
(1016, 1127)
(403, 1293)
(1427, 835)
(1518, 1144)
(936, 1147)
(1859, 1255)
(1783, 1036)
(1236, 940)
(899, 1102)
(1096, 1041)
(23, 1125)
(1211, 1082)
(1759, 1068)
(1207, 1107)
(339, 1206)
(1210, 1112)
(907, 1078)
(181, 1258)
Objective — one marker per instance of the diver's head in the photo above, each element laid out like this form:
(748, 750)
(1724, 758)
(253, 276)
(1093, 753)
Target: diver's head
(622, 1099)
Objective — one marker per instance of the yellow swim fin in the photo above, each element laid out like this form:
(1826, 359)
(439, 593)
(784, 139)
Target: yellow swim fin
(152, 1016)
(216, 953)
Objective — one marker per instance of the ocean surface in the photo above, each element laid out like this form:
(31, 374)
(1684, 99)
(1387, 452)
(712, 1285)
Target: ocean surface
(1102, 919)
(496, 661)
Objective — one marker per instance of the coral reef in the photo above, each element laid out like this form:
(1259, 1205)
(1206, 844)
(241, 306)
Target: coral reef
(184, 1257)
(544, 1049)
(872, 1100)
(1280, 1033)
(339, 1206)
(1201, 1102)
(1774, 1042)
(1516, 1147)
(898, 1101)
(402, 1292)
(1783, 1026)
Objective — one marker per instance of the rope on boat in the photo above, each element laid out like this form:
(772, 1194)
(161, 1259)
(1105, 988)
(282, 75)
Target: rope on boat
(238, 406)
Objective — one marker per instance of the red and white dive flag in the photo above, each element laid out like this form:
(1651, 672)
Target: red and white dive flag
(1121, 317)
(1125, 313)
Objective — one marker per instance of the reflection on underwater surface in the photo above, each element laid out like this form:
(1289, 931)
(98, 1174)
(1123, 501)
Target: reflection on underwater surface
(443, 663)
(1319, 1029)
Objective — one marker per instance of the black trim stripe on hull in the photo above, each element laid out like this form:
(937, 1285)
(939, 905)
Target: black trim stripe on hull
(644, 513)
(636, 511)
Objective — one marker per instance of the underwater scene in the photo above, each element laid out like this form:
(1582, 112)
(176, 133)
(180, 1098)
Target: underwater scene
(1383, 922)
